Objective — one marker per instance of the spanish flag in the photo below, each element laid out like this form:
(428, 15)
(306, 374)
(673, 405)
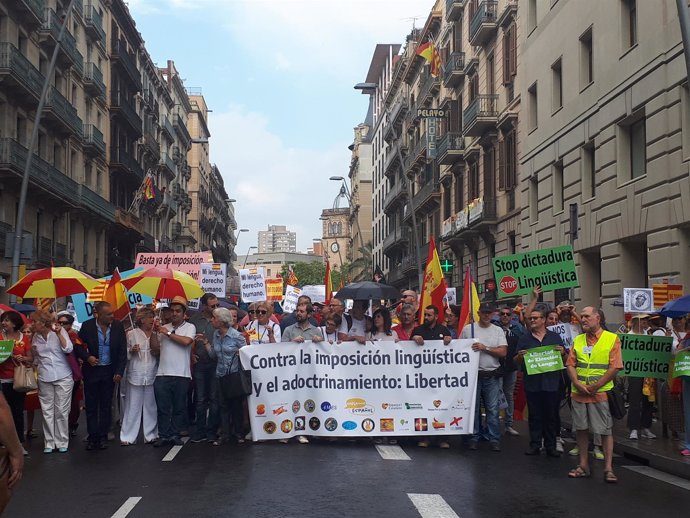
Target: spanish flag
(292, 278)
(328, 283)
(470, 302)
(113, 292)
(429, 52)
(434, 284)
(149, 188)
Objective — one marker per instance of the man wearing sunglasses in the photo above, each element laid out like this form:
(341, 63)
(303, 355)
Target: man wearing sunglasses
(205, 394)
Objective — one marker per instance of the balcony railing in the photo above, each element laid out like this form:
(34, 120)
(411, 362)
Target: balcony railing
(93, 138)
(96, 204)
(398, 238)
(168, 127)
(482, 210)
(63, 112)
(93, 23)
(127, 62)
(418, 152)
(125, 108)
(44, 175)
(479, 114)
(129, 220)
(122, 159)
(93, 79)
(167, 163)
(181, 128)
(430, 190)
(169, 204)
(431, 84)
(450, 148)
(399, 190)
(454, 69)
(454, 9)
(16, 67)
(483, 22)
(409, 264)
(51, 29)
(34, 8)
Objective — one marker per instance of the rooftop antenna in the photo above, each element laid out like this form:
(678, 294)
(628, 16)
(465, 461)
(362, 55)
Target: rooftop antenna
(413, 19)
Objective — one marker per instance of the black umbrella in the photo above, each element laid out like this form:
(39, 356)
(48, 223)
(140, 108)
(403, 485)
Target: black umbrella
(368, 290)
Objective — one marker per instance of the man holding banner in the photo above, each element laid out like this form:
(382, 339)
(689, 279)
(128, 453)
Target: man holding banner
(540, 354)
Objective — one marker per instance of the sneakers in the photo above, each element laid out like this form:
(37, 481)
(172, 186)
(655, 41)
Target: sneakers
(685, 452)
(598, 454)
(176, 442)
(302, 439)
(559, 445)
(444, 445)
(574, 452)
(249, 436)
(512, 431)
(633, 435)
(646, 433)
(423, 443)
(495, 446)
(198, 439)
(283, 441)
(24, 452)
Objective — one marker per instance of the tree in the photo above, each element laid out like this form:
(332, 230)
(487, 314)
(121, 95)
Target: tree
(362, 268)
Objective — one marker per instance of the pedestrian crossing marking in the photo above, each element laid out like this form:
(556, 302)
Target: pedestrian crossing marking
(432, 506)
(660, 475)
(174, 451)
(392, 452)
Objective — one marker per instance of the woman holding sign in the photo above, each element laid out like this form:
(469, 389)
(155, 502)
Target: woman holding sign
(541, 354)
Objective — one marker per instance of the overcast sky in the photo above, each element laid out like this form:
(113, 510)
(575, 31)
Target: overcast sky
(279, 77)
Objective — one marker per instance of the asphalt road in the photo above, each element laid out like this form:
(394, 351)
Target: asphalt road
(331, 479)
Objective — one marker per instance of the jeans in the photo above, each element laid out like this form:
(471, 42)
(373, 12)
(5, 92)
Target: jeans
(488, 391)
(543, 418)
(206, 396)
(686, 409)
(508, 387)
(98, 398)
(171, 402)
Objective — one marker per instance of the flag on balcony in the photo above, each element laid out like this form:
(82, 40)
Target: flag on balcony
(328, 283)
(434, 284)
(292, 278)
(470, 302)
(378, 275)
(149, 188)
(430, 52)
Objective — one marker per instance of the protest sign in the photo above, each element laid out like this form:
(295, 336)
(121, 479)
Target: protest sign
(189, 263)
(213, 278)
(274, 289)
(565, 330)
(354, 390)
(646, 356)
(451, 296)
(252, 285)
(551, 268)
(638, 300)
(292, 293)
(316, 292)
(543, 359)
(6, 347)
(681, 366)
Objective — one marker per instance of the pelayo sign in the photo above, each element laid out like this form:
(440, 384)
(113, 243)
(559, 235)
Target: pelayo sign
(354, 390)
(551, 268)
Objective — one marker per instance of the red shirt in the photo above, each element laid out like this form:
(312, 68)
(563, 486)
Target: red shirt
(401, 332)
(21, 348)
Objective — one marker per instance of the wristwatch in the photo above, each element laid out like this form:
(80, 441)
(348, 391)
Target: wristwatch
(169, 333)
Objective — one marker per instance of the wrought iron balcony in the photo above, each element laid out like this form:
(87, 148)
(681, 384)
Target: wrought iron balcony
(169, 206)
(181, 128)
(49, 32)
(78, 8)
(59, 111)
(454, 70)
(427, 196)
(392, 164)
(176, 229)
(94, 144)
(396, 194)
(119, 55)
(96, 204)
(451, 148)
(167, 165)
(124, 108)
(482, 212)
(480, 115)
(93, 80)
(417, 156)
(31, 10)
(396, 117)
(484, 23)
(122, 160)
(167, 127)
(454, 9)
(151, 144)
(93, 24)
(430, 86)
(409, 264)
(43, 177)
(398, 239)
(129, 220)
(18, 74)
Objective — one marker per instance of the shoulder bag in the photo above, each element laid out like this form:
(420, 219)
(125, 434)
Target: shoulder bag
(616, 402)
(240, 382)
(24, 378)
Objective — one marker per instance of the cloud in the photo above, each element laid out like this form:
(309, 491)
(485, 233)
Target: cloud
(282, 62)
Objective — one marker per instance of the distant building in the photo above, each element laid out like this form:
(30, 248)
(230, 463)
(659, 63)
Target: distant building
(273, 262)
(277, 239)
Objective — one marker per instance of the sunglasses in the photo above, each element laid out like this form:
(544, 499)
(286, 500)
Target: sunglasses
(214, 306)
(63, 322)
(258, 311)
(505, 314)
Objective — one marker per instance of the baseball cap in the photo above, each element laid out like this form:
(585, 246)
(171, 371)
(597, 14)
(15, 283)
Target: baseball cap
(486, 307)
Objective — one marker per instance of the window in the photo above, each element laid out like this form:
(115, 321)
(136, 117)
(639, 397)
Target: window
(638, 148)
(558, 187)
(512, 243)
(472, 88)
(586, 59)
(631, 147)
(507, 175)
(533, 107)
(629, 23)
(534, 199)
(459, 193)
(557, 85)
(510, 60)
(490, 75)
(473, 186)
(588, 171)
(532, 15)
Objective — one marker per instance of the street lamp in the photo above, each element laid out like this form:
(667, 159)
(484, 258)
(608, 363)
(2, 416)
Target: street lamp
(246, 256)
(239, 232)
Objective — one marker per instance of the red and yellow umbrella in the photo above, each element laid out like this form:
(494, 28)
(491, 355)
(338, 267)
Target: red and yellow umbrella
(52, 283)
(161, 283)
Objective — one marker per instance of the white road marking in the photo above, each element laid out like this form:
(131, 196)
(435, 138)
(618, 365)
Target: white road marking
(174, 451)
(127, 507)
(392, 452)
(432, 506)
(660, 475)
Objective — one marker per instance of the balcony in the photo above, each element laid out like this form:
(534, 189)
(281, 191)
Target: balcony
(49, 32)
(454, 9)
(429, 87)
(93, 80)
(151, 144)
(122, 160)
(428, 196)
(17, 74)
(123, 108)
(44, 178)
(454, 70)
(398, 239)
(480, 115)
(176, 229)
(417, 157)
(167, 165)
(169, 206)
(409, 264)
(396, 117)
(395, 194)
(484, 23)
(96, 204)
(392, 164)
(167, 128)
(181, 128)
(31, 11)
(451, 148)
(93, 24)
(94, 144)
(128, 63)
(59, 111)
(129, 220)
(482, 213)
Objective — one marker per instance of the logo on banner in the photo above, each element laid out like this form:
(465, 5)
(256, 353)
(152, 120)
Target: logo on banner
(349, 425)
(438, 425)
(260, 409)
(413, 406)
(286, 426)
(296, 406)
(279, 410)
(358, 406)
(455, 423)
(437, 403)
(392, 406)
(459, 405)
(314, 423)
(269, 427)
(331, 424)
(300, 423)
(309, 405)
(368, 425)
(508, 284)
(326, 406)
(387, 424)
(421, 424)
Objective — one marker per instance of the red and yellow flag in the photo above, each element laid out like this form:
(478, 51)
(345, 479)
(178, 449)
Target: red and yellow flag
(328, 282)
(430, 52)
(470, 302)
(292, 278)
(149, 188)
(113, 292)
(434, 284)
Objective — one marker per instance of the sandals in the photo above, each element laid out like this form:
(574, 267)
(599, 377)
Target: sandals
(579, 472)
(610, 477)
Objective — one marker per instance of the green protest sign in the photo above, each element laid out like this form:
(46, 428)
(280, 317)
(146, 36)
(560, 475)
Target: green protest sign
(646, 356)
(6, 347)
(551, 268)
(682, 364)
(543, 359)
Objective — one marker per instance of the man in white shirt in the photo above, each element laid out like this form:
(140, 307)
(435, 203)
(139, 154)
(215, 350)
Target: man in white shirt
(357, 323)
(174, 373)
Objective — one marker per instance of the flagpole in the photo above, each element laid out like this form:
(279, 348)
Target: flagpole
(471, 302)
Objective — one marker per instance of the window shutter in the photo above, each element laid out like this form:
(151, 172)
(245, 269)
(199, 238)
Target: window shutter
(506, 56)
(502, 165)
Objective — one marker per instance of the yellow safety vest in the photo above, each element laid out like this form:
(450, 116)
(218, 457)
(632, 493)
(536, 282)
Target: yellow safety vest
(591, 367)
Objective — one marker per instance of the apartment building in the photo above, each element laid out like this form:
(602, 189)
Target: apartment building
(277, 238)
(607, 139)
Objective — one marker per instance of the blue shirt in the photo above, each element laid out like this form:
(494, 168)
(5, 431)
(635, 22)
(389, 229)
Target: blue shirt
(226, 350)
(548, 381)
(103, 345)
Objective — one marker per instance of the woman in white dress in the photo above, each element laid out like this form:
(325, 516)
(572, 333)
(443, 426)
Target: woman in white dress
(142, 364)
(261, 329)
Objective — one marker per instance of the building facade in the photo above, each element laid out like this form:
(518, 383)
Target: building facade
(277, 239)
(360, 176)
(335, 238)
(608, 140)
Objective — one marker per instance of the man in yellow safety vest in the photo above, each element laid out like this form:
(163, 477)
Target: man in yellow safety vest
(594, 360)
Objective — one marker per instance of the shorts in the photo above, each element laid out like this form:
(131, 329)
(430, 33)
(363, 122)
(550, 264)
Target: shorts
(595, 417)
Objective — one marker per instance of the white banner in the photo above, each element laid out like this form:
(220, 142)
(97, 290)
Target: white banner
(565, 330)
(316, 292)
(353, 390)
(252, 285)
(213, 278)
(292, 294)
(638, 300)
